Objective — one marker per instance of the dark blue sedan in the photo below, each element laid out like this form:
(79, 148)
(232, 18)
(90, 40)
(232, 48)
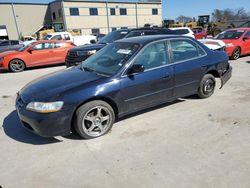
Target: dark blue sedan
(126, 76)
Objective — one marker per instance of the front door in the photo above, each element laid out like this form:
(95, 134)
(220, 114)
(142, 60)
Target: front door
(152, 86)
(41, 54)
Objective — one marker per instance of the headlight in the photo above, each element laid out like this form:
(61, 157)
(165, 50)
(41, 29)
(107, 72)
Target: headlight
(91, 52)
(80, 53)
(229, 45)
(45, 107)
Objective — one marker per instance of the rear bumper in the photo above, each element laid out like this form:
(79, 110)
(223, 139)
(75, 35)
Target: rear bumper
(226, 76)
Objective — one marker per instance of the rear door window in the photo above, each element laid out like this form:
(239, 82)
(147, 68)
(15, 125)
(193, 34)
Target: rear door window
(183, 50)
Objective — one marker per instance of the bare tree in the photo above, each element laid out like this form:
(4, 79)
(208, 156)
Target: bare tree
(184, 19)
(230, 14)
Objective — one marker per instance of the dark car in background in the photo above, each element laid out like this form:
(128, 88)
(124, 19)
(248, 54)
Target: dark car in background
(10, 45)
(124, 77)
(80, 53)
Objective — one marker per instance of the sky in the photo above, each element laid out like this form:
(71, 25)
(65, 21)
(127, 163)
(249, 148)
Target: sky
(193, 8)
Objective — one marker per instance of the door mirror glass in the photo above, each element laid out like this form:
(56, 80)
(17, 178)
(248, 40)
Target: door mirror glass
(136, 68)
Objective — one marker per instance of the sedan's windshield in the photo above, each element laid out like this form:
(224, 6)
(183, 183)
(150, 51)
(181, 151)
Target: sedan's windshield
(113, 36)
(234, 34)
(110, 59)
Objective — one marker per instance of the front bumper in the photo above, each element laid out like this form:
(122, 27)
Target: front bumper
(226, 76)
(45, 125)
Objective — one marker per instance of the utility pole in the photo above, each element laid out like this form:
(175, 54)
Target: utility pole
(15, 18)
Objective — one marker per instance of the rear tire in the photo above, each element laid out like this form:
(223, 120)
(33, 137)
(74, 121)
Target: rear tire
(94, 119)
(236, 53)
(16, 65)
(207, 86)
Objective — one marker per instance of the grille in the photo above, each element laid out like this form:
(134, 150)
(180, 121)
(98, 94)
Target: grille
(19, 102)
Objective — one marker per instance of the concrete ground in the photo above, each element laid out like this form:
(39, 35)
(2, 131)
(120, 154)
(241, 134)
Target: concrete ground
(189, 143)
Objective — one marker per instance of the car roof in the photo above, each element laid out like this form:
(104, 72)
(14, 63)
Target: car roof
(143, 40)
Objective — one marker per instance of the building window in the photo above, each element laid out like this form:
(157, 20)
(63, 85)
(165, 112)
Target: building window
(74, 11)
(114, 29)
(95, 31)
(154, 11)
(53, 16)
(112, 11)
(60, 13)
(93, 11)
(123, 11)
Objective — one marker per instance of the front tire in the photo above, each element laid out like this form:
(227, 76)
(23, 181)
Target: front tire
(16, 65)
(207, 86)
(94, 119)
(236, 54)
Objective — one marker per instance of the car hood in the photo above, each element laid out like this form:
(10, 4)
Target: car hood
(87, 47)
(53, 85)
(3, 54)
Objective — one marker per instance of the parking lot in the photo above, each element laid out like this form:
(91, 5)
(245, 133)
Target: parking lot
(188, 143)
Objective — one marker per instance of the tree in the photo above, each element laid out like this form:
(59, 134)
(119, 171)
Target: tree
(184, 19)
(230, 14)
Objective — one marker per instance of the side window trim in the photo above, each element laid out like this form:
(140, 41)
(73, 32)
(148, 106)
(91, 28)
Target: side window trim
(182, 61)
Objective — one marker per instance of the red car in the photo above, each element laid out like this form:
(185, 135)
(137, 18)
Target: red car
(35, 54)
(237, 41)
(199, 33)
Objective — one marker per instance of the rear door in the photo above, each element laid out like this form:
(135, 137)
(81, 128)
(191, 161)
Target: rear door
(188, 58)
(59, 52)
(152, 86)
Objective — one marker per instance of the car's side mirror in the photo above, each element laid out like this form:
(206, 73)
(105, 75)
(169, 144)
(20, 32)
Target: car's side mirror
(92, 41)
(246, 38)
(136, 68)
(30, 50)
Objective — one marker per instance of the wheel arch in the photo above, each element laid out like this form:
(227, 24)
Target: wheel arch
(213, 72)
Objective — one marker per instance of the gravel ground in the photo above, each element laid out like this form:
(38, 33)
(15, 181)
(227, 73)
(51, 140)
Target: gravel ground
(188, 143)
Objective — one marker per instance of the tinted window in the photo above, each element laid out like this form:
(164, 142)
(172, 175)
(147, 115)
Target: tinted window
(110, 59)
(153, 56)
(154, 11)
(112, 11)
(43, 46)
(4, 43)
(14, 42)
(233, 34)
(181, 31)
(56, 37)
(123, 11)
(184, 50)
(93, 11)
(134, 34)
(66, 37)
(113, 36)
(95, 31)
(74, 11)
